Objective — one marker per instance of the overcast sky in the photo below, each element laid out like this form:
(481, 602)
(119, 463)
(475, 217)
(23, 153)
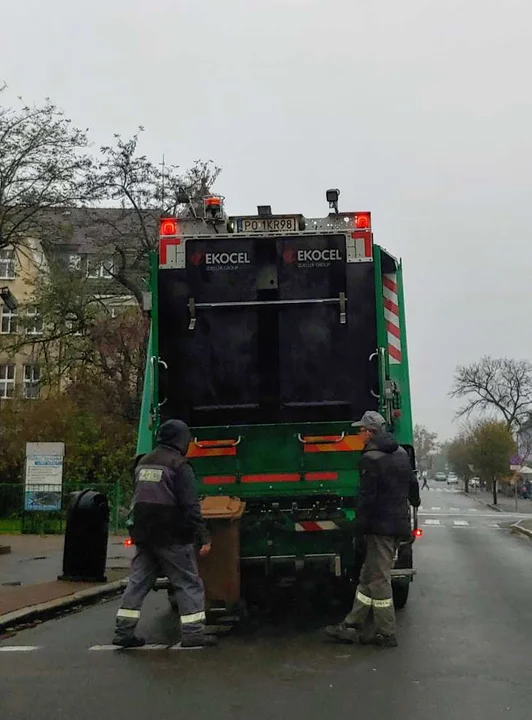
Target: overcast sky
(418, 110)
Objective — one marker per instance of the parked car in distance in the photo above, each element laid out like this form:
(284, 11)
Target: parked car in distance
(452, 479)
(440, 477)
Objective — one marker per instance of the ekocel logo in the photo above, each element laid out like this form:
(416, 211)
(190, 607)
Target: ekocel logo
(311, 258)
(218, 261)
(223, 258)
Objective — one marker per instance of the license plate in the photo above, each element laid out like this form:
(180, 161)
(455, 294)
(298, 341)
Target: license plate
(254, 225)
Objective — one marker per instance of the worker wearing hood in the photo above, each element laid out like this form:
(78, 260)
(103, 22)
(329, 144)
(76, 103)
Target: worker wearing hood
(166, 521)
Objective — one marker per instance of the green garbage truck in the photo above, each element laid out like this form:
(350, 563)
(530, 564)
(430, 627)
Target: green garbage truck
(270, 334)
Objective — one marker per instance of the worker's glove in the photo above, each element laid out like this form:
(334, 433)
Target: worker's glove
(205, 550)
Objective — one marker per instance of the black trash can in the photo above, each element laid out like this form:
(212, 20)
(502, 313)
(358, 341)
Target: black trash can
(86, 536)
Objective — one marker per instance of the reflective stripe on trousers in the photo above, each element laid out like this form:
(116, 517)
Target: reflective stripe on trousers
(364, 599)
(194, 618)
(373, 606)
(130, 614)
(383, 603)
(178, 563)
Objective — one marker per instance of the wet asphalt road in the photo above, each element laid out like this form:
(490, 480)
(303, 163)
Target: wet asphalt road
(465, 649)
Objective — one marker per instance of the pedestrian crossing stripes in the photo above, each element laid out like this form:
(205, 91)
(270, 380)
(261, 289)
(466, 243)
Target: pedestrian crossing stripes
(144, 648)
(99, 648)
(453, 509)
(449, 522)
(444, 490)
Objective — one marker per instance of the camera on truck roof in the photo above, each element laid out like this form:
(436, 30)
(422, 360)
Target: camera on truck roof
(332, 196)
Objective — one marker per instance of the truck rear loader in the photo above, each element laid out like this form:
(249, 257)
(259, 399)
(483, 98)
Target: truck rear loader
(270, 334)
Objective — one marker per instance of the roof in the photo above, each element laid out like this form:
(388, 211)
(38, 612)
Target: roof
(91, 230)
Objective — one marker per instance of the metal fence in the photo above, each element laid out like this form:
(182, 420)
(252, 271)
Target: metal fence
(43, 510)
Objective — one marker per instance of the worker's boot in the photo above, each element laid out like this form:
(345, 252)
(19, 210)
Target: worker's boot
(344, 633)
(128, 641)
(196, 641)
(384, 641)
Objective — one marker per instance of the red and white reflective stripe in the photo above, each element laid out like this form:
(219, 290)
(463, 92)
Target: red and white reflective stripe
(391, 316)
(359, 247)
(316, 526)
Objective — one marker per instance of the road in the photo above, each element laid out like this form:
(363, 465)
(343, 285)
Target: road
(465, 648)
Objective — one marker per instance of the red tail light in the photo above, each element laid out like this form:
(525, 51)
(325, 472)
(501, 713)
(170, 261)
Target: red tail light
(168, 227)
(128, 542)
(418, 532)
(363, 221)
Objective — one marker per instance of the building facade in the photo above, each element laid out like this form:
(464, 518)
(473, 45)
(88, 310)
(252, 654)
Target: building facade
(80, 249)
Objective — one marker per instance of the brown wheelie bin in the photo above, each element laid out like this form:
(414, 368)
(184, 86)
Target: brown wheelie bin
(220, 569)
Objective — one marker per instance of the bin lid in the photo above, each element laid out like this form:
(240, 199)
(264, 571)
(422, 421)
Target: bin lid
(222, 507)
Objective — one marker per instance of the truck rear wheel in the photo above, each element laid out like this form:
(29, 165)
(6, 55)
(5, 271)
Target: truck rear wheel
(400, 591)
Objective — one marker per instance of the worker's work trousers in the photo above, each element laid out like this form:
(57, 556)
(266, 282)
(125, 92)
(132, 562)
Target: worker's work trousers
(373, 611)
(178, 563)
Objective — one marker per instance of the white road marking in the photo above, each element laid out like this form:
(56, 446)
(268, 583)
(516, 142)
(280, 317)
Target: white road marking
(455, 509)
(115, 648)
(432, 522)
(19, 648)
(473, 509)
(435, 508)
(461, 523)
(496, 525)
(501, 516)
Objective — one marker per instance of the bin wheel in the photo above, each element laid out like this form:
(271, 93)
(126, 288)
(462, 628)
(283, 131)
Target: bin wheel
(400, 594)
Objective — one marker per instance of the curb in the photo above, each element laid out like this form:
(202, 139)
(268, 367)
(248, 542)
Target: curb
(517, 529)
(34, 612)
(481, 502)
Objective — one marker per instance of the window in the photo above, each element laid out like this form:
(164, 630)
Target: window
(7, 264)
(8, 321)
(32, 381)
(74, 263)
(35, 324)
(73, 325)
(7, 381)
(97, 269)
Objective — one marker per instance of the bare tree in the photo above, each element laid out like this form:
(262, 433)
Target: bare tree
(68, 310)
(43, 164)
(425, 445)
(503, 385)
(112, 382)
(140, 192)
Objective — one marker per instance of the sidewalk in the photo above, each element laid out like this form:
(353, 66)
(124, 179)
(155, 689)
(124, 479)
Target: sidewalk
(504, 503)
(28, 576)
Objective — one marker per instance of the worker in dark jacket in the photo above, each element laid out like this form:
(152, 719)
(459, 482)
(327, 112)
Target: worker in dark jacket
(166, 521)
(387, 485)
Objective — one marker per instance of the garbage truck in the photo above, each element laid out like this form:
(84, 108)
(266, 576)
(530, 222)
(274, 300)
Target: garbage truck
(269, 335)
